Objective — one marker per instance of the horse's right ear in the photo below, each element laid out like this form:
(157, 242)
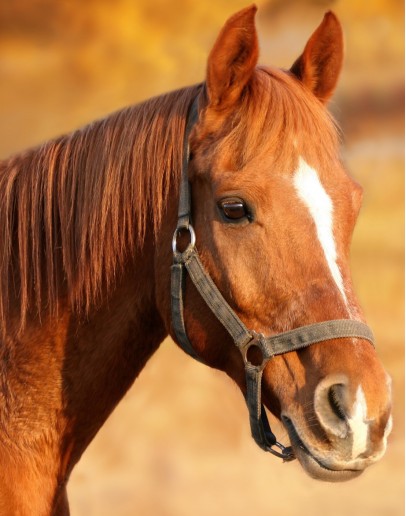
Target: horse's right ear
(232, 60)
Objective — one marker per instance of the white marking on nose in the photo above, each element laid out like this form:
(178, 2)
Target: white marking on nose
(358, 424)
(388, 428)
(318, 202)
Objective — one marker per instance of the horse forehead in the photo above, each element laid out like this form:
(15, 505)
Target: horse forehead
(263, 172)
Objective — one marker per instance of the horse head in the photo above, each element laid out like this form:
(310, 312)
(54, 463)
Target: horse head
(274, 210)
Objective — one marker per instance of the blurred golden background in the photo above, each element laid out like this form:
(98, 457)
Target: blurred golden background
(179, 442)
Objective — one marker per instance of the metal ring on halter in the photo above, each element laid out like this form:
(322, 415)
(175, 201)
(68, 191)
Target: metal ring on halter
(191, 244)
(257, 341)
(286, 452)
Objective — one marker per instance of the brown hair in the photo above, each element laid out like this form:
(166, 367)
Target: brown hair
(73, 209)
(283, 115)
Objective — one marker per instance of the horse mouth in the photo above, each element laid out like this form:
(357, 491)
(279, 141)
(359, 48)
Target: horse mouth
(314, 466)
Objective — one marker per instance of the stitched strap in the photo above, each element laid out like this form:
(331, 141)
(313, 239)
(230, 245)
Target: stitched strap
(318, 332)
(178, 322)
(184, 210)
(292, 340)
(260, 431)
(184, 215)
(215, 301)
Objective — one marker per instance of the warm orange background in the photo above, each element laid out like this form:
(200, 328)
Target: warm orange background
(179, 442)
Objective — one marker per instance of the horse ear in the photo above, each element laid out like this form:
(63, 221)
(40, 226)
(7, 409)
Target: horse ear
(232, 59)
(320, 64)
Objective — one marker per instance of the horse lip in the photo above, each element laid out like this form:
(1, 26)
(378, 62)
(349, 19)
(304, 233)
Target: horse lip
(302, 451)
(297, 442)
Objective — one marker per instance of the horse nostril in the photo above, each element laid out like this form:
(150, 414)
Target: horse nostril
(331, 404)
(335, 397)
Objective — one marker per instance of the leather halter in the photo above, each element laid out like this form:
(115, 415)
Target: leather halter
(188, 261)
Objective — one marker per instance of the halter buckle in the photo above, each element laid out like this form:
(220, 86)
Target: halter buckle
(286, 452)
(257, 342)
(190, 246)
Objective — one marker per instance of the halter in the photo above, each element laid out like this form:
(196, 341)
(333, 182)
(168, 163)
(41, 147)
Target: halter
(188, 261)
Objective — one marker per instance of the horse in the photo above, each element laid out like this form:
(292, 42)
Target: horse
(86, 289)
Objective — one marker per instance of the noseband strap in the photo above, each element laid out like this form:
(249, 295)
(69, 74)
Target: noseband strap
(187, 262)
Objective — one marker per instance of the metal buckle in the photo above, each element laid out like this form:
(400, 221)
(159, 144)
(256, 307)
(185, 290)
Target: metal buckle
(258, 341)
(191, 244)
(286, 452)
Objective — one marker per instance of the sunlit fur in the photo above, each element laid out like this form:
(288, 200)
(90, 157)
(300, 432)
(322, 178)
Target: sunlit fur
(73, 210)
(86, 223)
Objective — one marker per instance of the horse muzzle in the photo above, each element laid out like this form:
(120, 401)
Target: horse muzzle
(340, 437)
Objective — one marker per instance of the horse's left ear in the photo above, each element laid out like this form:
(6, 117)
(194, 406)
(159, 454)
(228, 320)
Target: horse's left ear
(232, 59)
(320, 64)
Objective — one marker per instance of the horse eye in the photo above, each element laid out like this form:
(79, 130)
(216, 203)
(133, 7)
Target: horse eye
(233, 209)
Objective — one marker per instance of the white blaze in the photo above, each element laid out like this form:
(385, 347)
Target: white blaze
(318, 202)
(359, 424)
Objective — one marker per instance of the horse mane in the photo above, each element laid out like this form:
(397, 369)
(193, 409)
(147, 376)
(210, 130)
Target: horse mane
(73, 210)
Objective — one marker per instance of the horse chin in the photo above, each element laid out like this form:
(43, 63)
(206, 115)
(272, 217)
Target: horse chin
(314, 466)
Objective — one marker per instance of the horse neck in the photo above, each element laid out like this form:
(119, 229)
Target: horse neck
(67, 374)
